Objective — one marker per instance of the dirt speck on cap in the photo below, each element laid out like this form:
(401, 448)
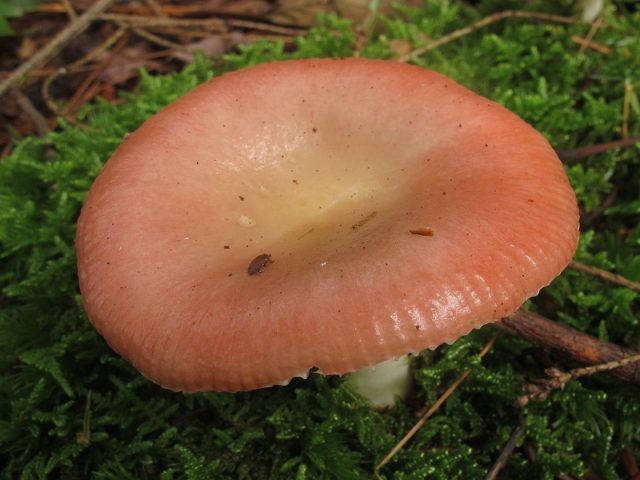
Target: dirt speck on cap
(424, 231)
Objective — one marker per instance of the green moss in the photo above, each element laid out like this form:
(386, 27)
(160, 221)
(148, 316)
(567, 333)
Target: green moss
(70, 408)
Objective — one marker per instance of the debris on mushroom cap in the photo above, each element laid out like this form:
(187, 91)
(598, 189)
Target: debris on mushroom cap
(358, 136)
(259, 263)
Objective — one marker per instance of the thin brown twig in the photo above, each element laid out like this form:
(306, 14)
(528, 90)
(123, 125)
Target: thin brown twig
(569, 156)
(80, 95)
(630, 464)
(84, 436)
(592, 31)
(589, 476)
(434, 408)
(598, 212)
(364, 28)
(604, 367)
(71, 12)
(530, 452)
(46, 85)
(100, 49)
(155, 8)
(590, 44)
(71, 69)
(93, 54)
(158, 40)
(157, 54)
(196, 9)
(571, 343)
(38, 120)
(198, 34)
(605, 275)
(540, 389)
(176, 31)
(626, 102)
(57, 42)
(483, 22)
(211, 24)
(507, 451)
(5, 152)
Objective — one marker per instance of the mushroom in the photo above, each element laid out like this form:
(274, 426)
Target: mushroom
(317, 215)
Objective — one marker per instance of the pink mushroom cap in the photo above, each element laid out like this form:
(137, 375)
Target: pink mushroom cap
(261, 225)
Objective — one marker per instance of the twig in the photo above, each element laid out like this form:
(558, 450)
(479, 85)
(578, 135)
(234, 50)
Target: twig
(176, 31)
(628, 91)
(597, 213)
(84, 436)
(569, 156)
(93, 54)
(423, 419)
(575, 345)
(80, 95)
(46, 96)
(590, 44)
(159, 40)
(59, 41)
(196, 9)
(38, 120)
(4, 153)
(604, 275)
(592, 31)
(488, 20)
(71, 13)
(588, 476)
(100, 49)
(540, 390)
(365, 27)
(508, 449)
(211, 24)
(155, 8)
(530, 452)
(630, 464)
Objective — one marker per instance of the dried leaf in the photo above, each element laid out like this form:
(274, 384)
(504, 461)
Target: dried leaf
(400, 46)
(212, 46)
(27, 48)
(125, 64)
(302, 13)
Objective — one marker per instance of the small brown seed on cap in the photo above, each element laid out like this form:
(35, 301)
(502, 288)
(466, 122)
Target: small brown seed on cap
(259, 263)
(359, 224)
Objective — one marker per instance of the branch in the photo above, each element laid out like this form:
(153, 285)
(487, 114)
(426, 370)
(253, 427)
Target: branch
(578, 346)
(76, 27)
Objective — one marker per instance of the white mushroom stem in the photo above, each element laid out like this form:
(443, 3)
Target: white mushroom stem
(590, 9)
(383, 384)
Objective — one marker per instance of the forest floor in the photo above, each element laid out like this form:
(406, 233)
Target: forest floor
(559, 400)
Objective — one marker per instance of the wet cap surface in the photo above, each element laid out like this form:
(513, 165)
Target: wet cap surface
(317, 213)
